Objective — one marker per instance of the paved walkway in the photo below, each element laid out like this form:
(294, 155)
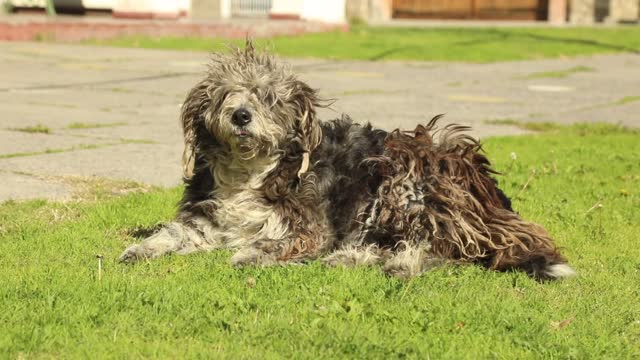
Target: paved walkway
(113, 113)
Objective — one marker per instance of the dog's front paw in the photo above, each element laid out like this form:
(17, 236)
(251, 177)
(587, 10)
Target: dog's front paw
(252, 256)
(132, 254)
(404, 266)
(400, 270)
(407, 267)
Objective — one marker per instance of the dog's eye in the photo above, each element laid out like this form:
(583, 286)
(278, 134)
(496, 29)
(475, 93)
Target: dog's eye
(218, 94)
(219, 99)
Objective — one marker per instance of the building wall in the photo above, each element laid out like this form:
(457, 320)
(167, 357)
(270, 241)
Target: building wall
(623, 10)
(117, 5)
(380, 9)
(582, 11)
(145, 9)
(557, 12)
(28, 3)
(98, 4)
(369, 10)
(613, 11)
(331, 11)
(357, 9)
(205, 9)
(286, 9)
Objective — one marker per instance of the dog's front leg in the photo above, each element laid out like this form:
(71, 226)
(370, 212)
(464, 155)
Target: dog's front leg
(254, 255)
(174, 237)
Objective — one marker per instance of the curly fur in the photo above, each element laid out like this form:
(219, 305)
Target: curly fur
(286, 187)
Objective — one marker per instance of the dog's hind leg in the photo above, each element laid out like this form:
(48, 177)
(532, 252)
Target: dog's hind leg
(410, 261)
(175, 237)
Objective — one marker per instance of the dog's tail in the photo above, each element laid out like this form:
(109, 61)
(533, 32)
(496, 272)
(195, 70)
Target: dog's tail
(556, 272)
(543, 266)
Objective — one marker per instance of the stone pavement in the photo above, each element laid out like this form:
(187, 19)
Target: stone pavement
(113, 113)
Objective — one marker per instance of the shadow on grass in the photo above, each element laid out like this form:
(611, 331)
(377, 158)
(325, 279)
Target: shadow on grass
(500, 35)
(581, 129)
(496, 35)
(384, 54)
(143, 232)
(566, 40)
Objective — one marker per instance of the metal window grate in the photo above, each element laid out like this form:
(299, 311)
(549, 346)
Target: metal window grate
(250, 8)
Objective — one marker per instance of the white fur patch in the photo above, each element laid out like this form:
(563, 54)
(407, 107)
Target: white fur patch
(406, 263)
(242, 216)
(353, 256)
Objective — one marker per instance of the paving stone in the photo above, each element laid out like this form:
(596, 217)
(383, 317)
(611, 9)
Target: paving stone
(150, 164)
(14, 142)
(164, 130)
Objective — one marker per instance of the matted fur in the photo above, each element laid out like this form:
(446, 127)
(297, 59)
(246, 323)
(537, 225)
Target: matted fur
(286, 187)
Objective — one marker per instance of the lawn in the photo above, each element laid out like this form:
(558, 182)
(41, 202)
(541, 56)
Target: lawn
(424, 44)
(581, 182)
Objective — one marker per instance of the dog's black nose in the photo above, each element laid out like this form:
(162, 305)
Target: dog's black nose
(241, 117)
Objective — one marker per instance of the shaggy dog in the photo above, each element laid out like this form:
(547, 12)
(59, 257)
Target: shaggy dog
(265, 178)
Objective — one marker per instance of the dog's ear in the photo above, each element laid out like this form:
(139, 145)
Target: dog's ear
(307, 100)
(192, 111)
(308, 127)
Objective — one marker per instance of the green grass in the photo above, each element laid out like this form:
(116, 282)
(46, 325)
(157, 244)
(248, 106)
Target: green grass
(52, 104)
(366, 92)
(121, 90)
(78, 147)
(81, 125)
(138, 141)
(433, 44)
(547, 126)
(56, 150)
(542, 126)
(36, 129)
(627, 100)
(198, 306)
(560, 73)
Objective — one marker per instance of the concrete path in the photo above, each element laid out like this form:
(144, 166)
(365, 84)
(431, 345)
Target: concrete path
(72, 113)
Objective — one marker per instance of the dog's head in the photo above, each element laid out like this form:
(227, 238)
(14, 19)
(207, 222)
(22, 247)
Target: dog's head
(251, 106)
